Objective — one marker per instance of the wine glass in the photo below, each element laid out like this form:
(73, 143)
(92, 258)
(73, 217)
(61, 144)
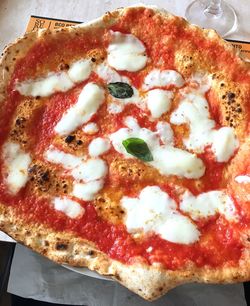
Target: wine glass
(212, 14)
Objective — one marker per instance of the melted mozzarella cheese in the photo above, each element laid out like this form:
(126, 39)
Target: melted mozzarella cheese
(56, 81)
(193, 110)
(159, 102)
(89, 100)
(69, 207)
(159, 78)
(126, 52)
(90, 170)
(179, 229)
(16, 163)
(109, 75)
(224, 143)
(68, 161)
(45, 86)
(155, 212)
(90, 128)
(81, 169)
(242, 179)
(98, 146)
(79, 71)
(165, 133)
(208, 204)
(167, 159)
(87, 191)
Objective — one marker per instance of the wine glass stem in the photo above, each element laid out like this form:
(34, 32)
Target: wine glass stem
(214, 8)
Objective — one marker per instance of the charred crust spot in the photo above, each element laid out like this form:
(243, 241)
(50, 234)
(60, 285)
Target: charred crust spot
(91, 253)
(248, 239)
(20, 121)
(70, 138)
(160, 289)
(40, 177)
(117, 276)
(222, 84)
(38, 97)
(223, 97)
(6, 68)
(45, 176)
(231, 95)
(63, 66)
(46, 243)
(93, 59)
(61, 246)
(101, 200)
(79, 142)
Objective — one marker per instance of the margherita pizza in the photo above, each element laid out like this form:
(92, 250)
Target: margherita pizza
(124, 147)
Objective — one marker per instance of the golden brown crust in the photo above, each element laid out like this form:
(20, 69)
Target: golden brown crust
(148, 281)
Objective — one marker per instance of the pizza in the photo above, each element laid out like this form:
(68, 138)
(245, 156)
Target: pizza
(124, 147)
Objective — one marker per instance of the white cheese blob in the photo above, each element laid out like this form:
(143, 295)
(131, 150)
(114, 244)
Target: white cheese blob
(242, 179)
(81, 169)
(90, 128)
(109, 75)
(179, 229)
(126, 52)
(16, 163)
(165, 133)
(159, 78)
(56, 81)
(46, 86)
(87, 191)
(89, 100)
(167, 159)
(90, 170)
(98, 146)
(159, 102)
(88, 174)
(208, 204)
(224, 143)
(174, 161)
(68, 161)
(115, 107)
(155, 212)
(69, 207)
(79, 71)
(194, 111)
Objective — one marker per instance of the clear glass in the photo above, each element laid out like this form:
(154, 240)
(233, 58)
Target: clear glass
(213, 14)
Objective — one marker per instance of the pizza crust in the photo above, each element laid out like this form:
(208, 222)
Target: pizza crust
(150, 282)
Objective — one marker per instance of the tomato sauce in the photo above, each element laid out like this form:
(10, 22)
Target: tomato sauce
(219, 241)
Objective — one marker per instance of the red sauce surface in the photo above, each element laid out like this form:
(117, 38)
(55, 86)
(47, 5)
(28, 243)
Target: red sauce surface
(219, 242)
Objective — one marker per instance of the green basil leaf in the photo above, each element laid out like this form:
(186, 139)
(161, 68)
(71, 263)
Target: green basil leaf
(138, 148)
(120, 90)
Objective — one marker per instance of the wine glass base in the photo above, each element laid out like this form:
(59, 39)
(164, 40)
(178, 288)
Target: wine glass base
(224, 23)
